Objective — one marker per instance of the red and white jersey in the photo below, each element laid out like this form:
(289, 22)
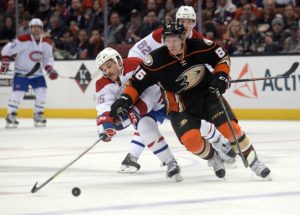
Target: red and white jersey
(107, 91)
(28, 53)
(151, 42)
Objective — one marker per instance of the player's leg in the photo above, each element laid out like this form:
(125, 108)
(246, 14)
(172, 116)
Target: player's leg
(20, 86)
(40, 89)
(187, 129)
(150, 135)
(218, 141)
(130, 164)
(246, 146)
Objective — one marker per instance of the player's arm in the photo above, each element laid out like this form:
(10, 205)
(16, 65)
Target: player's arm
(141, 80)
(49, 60)
(7, 51)
(220, 61)
(105, 96)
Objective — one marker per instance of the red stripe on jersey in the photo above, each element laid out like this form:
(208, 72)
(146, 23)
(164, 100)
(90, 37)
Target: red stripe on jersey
(160, 139)
(151, 144)
(24, 37)
(157, 34)
(102, 82)
(130, 64)
(142, 107)
(196, 34)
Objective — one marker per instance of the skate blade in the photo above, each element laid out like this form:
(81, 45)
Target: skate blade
(177, 177)
(39, 125)
(128, 169)
(10, 126)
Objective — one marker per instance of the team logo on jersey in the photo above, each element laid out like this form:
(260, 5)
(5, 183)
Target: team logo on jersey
(246, 89)
(36, 56)
(191, 77)
(208, 42)
(83, 77)
(148, 60)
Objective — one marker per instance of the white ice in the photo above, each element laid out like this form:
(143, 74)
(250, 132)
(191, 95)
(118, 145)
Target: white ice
(29, 155)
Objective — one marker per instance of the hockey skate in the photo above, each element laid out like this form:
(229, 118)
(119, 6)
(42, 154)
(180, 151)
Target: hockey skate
(129, 164)
(173, 170)
(39, 120)
(227, 154)
(218, 165)
(11, 121)
(258, 167)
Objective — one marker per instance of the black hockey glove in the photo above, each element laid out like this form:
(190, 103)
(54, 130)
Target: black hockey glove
(121, 106)
(220, 83)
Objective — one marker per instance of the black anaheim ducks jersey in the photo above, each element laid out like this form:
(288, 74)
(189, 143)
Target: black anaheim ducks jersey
(188, 77)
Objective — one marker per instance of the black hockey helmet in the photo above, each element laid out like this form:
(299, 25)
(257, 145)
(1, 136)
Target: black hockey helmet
(173, 28)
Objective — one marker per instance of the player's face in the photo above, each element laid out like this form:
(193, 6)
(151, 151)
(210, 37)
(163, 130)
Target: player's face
(111, 70)
(188, 25)
(174, 44)
(36, 31)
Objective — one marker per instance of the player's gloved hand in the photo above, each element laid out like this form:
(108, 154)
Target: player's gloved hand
(220, 83)
(106, 127)
(4, 65)
(52, 74)
(121, 106)
(123, 121)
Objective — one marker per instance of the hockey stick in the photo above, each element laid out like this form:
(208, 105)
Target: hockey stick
(284, 75)
(36, 188)
(67, 77)
(231, 128)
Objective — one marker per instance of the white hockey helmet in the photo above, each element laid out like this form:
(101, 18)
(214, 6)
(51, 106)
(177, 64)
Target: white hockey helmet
(109, 54)
(35, 21)
(186, 12)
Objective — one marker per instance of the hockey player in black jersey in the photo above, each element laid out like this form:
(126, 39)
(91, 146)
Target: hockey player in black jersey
(190, 71)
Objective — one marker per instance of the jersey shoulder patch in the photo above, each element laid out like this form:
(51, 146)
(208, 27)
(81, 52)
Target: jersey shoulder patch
(156, 58)
(130, 64)
(24, 37)
(157, 34)
(102, 82)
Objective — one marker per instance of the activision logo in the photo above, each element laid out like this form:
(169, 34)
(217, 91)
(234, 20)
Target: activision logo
(246, 89)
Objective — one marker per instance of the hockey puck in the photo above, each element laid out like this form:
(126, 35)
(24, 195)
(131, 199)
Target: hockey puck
(76, 191)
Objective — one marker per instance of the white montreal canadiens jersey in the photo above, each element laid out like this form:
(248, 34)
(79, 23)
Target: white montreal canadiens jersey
(108, 91)
(151, 42)
(29, 52)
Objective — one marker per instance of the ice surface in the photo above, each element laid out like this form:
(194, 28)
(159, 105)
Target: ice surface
(29, 154)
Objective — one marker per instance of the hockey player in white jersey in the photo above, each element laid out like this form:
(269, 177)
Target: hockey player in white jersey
(33, 53)
(187, 16)
(149, 110)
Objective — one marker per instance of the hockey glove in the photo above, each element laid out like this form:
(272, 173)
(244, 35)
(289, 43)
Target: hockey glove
(124, 121)
(52, 74)
(219, 83)
(121, 106)
(106, 127)
(4, 65)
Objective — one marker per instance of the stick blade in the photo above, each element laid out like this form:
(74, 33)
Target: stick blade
(34, 188)
(291, 70)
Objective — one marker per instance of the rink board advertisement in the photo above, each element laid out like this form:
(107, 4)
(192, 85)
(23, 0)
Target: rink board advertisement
(72, 94)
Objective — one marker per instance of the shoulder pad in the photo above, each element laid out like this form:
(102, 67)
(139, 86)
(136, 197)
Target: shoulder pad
(102, 82)
(154, 59)
(157, 34)
(47, 40)
(131, 63)
(24, 37)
